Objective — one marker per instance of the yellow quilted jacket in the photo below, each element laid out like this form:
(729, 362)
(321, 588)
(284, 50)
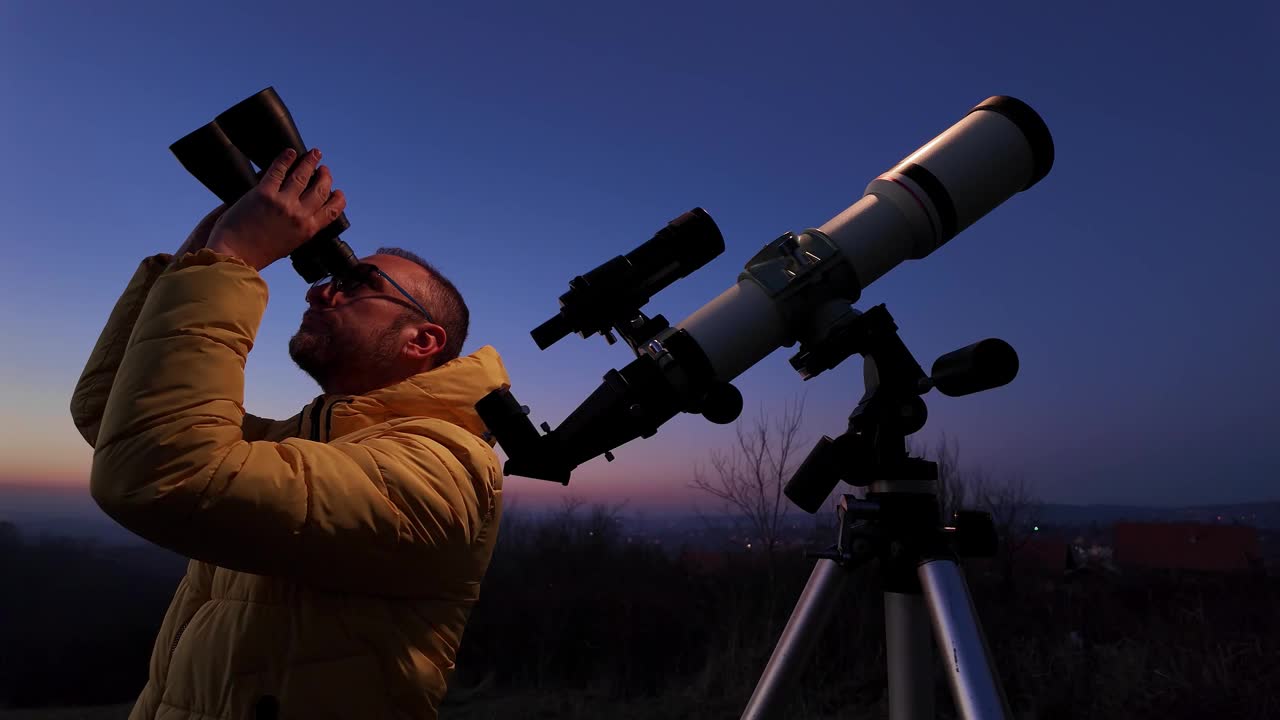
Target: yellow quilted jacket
(335, 556)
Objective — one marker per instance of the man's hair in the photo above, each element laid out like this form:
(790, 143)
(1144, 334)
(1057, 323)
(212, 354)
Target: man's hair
(444, 302)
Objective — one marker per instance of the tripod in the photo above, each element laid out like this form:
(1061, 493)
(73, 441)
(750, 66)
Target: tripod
(898, 524)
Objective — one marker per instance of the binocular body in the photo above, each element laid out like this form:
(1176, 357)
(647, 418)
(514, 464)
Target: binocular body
(221, 155)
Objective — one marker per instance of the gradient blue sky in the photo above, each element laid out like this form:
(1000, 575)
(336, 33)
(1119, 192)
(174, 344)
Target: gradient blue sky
(519, 144)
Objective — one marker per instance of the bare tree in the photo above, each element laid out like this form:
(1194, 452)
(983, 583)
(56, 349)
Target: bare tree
(749, 479)
(603, 527)
(1010, 501)
(952, 485)
(1014, 509)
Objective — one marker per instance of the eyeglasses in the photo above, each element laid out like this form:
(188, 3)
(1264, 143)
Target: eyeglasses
(362, 275)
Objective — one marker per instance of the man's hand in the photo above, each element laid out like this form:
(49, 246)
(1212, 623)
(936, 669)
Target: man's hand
(286, 209)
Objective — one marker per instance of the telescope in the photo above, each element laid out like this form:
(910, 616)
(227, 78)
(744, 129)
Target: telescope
(800, 289)
(257, 129)
(796, 289)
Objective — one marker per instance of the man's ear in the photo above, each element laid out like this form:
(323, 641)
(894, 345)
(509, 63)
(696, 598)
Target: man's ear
(427, 341)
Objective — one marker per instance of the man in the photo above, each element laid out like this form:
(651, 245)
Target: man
(335, 556)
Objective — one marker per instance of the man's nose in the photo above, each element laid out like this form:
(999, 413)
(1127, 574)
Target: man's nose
(321, 295)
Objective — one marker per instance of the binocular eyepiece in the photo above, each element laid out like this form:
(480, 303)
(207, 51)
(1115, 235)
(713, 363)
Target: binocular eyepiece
(256, 130)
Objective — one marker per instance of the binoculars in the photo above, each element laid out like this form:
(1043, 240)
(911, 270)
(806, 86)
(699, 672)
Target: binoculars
(257, 130)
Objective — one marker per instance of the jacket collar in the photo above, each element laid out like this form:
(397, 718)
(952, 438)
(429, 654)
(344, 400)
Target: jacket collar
(449, 392)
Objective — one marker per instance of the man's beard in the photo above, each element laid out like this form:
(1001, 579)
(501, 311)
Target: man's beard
(332, 361)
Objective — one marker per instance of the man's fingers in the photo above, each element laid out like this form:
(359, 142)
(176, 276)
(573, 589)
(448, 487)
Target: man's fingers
(333, 207)
(318, 192)
(274, 175)
(302, 172)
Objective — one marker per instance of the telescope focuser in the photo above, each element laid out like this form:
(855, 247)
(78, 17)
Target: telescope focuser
(670, 374)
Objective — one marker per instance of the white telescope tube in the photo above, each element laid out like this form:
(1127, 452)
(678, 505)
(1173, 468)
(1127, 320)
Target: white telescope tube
(999, 148)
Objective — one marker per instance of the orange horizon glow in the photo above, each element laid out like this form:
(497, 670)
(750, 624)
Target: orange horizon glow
(633, 492)
(48, 482)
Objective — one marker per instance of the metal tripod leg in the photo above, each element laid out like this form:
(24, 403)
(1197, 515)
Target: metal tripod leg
(961, 643)
(909, 651)
(812, 612)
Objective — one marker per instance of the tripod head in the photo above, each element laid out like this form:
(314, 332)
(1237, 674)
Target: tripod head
(258, 129)
(873, 449)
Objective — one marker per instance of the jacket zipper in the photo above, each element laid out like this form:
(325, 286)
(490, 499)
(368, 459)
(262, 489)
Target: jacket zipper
(327, 434)
(328, 418)
(321, 418)
(315, 419)
(174, 647)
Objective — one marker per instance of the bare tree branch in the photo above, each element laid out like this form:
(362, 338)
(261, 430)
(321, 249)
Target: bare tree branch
(1014, 508)
(750, 479)
(954, 486)
(1010, 501)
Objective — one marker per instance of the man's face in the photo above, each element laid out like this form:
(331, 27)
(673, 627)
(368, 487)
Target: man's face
(352, 342)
